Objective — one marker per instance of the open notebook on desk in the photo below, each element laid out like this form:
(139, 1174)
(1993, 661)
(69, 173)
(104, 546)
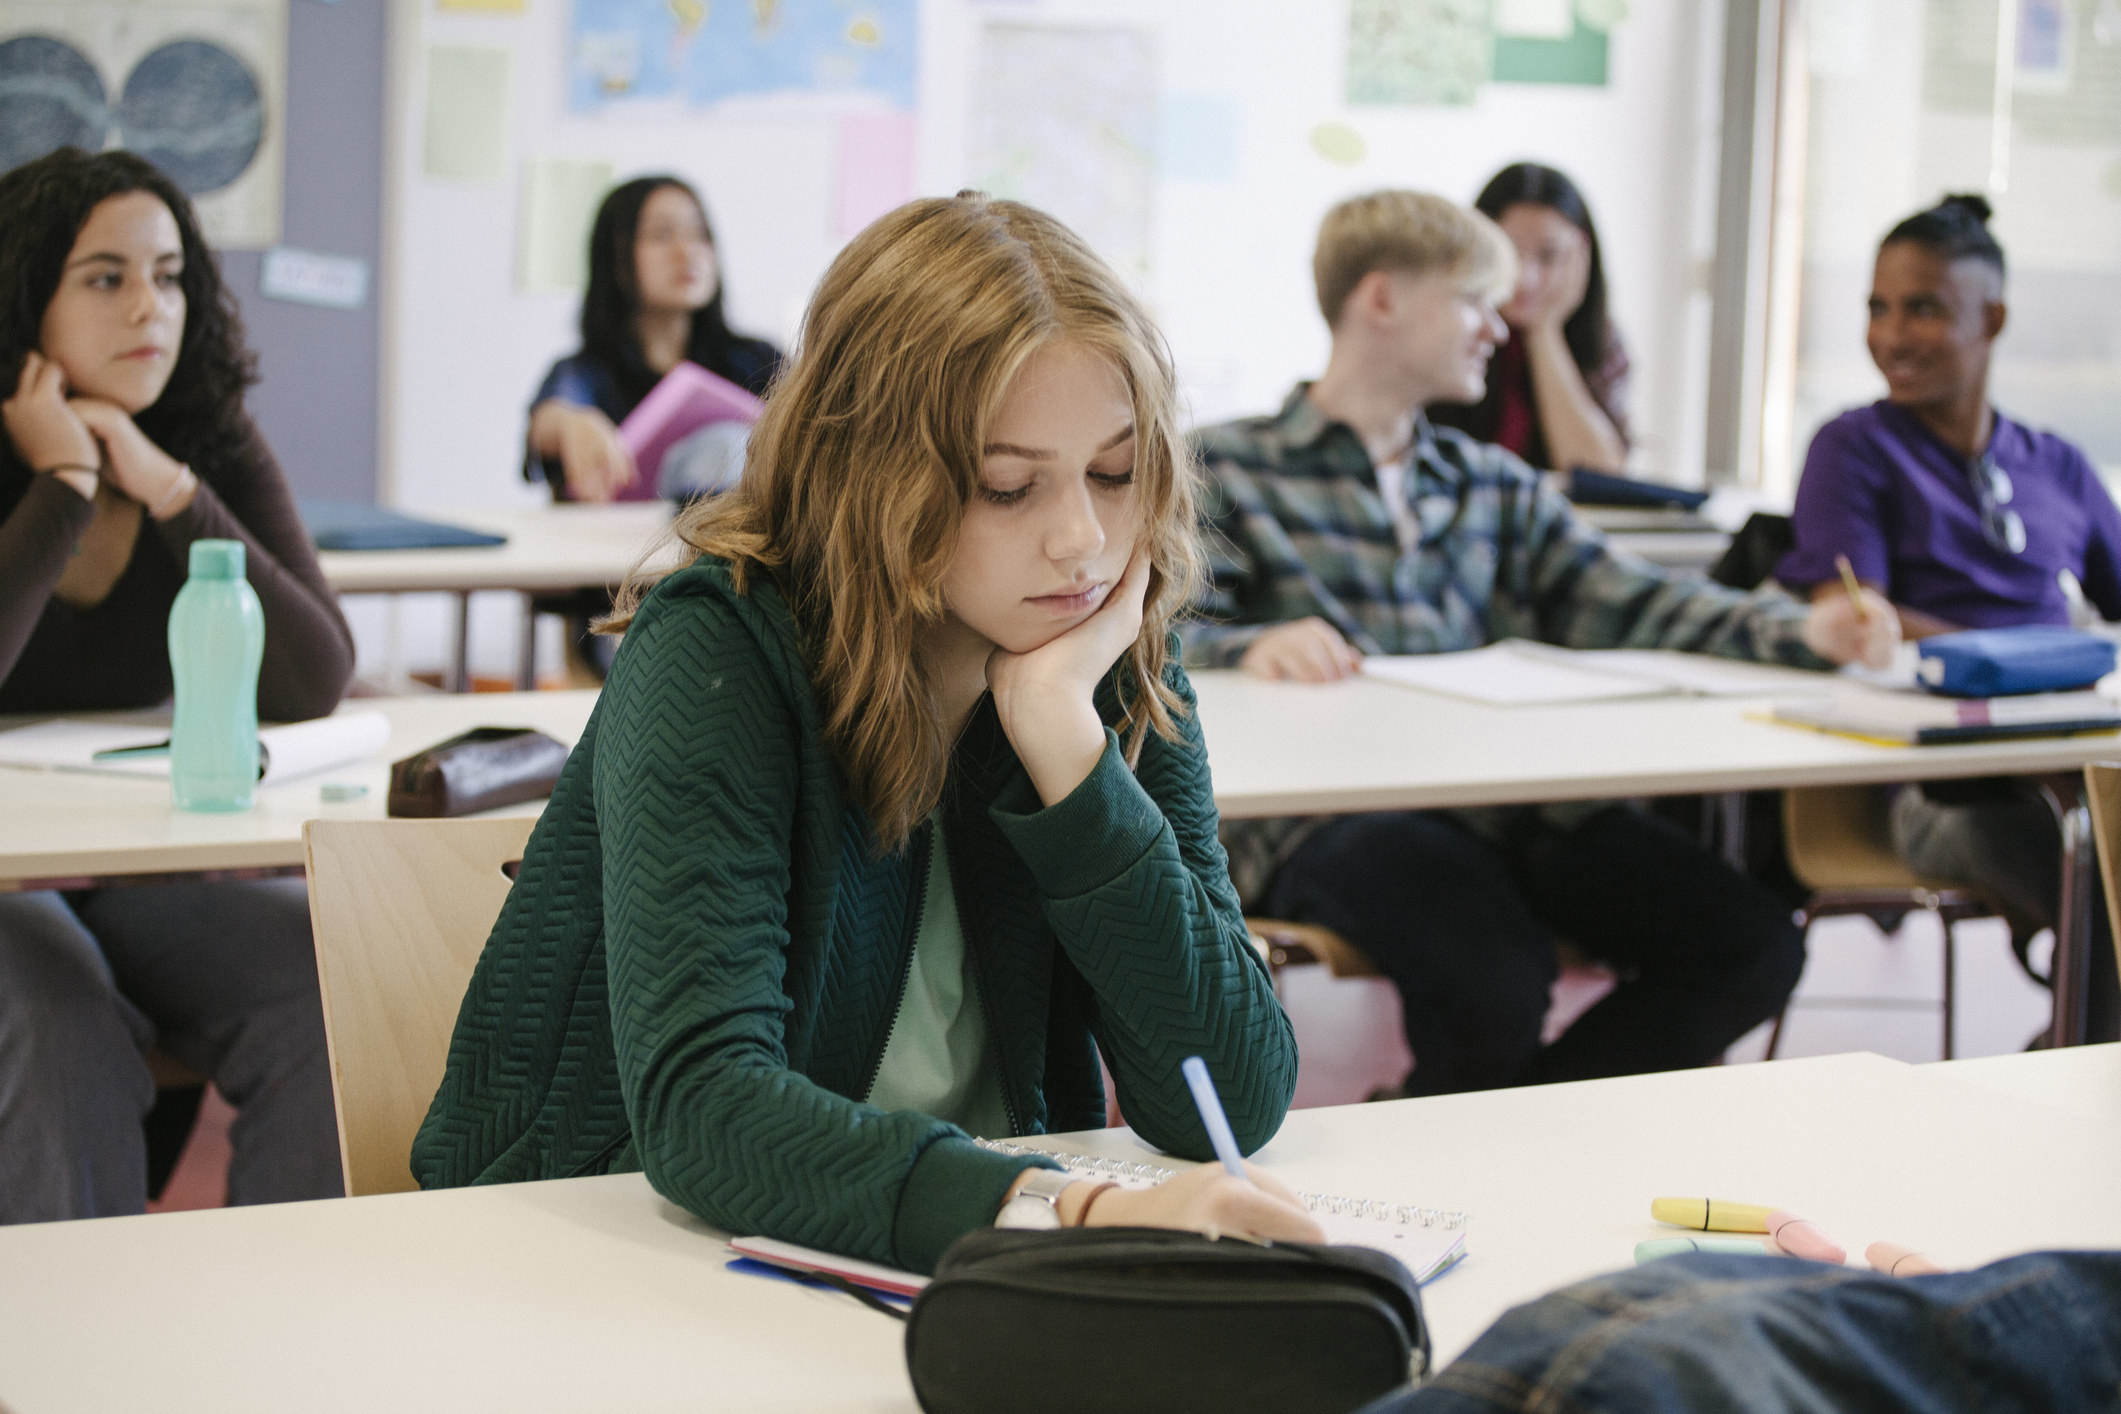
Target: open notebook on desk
(1519, 673)
(1426, 1241)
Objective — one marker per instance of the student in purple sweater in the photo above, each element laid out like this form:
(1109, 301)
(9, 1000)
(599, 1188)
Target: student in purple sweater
(1963, 518)
(125, 439)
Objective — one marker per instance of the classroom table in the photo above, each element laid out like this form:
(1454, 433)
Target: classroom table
(1276, 749)
(550, 548)
(1365, 744)
(67, 830)
(594, 1293)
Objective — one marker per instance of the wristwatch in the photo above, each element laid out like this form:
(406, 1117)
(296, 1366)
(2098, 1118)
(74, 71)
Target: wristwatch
(1037, 1203)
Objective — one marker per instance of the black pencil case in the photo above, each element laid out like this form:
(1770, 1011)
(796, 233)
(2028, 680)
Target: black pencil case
(1150, 1318)
(482, 769)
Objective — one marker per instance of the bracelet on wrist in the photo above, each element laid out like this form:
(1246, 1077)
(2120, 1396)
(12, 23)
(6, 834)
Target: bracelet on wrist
(187, 482)
(1082, 1215)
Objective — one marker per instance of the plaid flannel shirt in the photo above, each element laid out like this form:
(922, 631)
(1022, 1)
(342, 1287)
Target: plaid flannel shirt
(1296, 527)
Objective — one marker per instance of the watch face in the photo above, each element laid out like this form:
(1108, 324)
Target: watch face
(1028, 1211)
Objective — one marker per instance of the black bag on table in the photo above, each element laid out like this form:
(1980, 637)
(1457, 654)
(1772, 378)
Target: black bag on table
(1089, 1319)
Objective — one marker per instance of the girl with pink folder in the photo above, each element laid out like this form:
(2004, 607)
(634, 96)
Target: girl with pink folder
(653, 309)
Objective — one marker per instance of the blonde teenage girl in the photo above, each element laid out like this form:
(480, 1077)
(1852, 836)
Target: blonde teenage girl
(895, 813)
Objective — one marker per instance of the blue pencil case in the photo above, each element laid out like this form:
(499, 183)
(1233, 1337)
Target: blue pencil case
(2005, 662)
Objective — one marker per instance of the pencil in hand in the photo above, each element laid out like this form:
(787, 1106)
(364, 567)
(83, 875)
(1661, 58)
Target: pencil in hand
(1853, 589)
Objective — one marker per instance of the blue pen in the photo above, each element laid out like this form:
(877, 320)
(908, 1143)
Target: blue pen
(1211, 1115)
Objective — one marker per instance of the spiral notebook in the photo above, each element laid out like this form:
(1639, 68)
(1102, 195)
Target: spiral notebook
(1426, 1241)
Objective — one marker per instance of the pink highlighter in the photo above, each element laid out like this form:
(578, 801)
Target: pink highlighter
(1800, 1237)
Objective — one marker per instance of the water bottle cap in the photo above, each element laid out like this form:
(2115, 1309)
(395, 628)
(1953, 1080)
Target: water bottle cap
(217, 559)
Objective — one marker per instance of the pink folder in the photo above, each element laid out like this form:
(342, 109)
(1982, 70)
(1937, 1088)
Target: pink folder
(687, 399)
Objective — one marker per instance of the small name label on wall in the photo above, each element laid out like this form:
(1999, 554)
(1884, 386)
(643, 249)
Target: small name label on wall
(305, 277)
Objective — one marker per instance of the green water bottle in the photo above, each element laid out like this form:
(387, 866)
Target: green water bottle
(216, 642)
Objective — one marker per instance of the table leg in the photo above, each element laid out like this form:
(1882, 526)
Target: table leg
(2072, 965)
(460, 650)
(527, 649)
(1730, 811)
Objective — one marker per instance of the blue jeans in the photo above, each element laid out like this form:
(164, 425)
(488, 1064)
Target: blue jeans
(1760, 1334)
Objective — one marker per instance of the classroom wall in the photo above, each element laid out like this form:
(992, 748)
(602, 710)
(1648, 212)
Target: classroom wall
(317, 399)
(1228, 269)
(1228, 275)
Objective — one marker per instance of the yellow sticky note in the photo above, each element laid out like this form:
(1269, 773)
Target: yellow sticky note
(466, 134)
(1339, 144)
(560, 200)
(510, 7)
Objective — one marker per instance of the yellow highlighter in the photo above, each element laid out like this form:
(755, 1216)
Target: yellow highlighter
(1710, 1214)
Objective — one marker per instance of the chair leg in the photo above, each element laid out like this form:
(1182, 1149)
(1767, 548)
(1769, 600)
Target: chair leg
(1951, 970)
(1774, 1039)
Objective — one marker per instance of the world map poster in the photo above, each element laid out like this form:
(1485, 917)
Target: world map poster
(704, 52)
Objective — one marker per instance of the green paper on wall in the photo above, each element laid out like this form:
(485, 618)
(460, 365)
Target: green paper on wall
(466, 133)
(560, 200)
(1579, 59)
(1421, 52)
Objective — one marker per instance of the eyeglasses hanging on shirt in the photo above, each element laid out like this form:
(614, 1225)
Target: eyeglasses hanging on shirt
(2002, 527)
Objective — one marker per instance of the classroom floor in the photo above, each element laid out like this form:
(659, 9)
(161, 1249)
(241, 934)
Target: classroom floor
(1862, 990)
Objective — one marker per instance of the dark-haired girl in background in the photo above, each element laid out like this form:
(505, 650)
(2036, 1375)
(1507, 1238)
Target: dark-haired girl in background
(1963, 518)
(654, 298)
(1557, 387)
(126, 439)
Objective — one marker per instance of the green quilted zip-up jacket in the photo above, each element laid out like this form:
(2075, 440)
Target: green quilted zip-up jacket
(700, 962)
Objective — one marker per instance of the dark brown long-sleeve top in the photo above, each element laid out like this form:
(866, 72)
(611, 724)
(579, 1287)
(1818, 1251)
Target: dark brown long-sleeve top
(115, 654)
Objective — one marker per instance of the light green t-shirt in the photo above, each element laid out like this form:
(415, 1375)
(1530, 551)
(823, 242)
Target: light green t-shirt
(937, 1060)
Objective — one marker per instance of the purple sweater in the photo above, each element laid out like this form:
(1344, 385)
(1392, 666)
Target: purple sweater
(1880, 488)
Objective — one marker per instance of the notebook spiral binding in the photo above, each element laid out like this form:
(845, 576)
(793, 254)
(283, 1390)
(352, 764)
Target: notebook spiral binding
(1366, 1209)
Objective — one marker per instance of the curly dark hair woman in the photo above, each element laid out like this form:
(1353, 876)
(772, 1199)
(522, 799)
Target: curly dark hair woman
(43, 205)
(126, 442)
(1557, 389)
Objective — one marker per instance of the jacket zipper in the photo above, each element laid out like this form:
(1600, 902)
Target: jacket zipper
(916, 915)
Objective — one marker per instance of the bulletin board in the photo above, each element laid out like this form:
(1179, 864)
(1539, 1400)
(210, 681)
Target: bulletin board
(198, 87)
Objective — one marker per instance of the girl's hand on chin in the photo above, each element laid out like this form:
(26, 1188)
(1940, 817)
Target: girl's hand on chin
(1043, 696)
(136, 466)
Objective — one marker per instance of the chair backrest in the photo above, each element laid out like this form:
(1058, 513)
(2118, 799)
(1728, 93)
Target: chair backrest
(1839, 837)
(2102, 790)
(401, 909)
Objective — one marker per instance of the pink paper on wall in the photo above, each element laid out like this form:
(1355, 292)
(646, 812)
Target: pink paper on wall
(876, 168)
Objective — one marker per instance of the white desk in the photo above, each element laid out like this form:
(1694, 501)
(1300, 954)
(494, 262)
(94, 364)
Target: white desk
(62, 826)
(594, 1293)
(1359, 745)
(2085, 1080)
(1296, 748)
(550, 548)
(1276, 748)
(1688, 551)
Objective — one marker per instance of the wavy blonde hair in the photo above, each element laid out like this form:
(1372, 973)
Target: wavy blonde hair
(859, 471)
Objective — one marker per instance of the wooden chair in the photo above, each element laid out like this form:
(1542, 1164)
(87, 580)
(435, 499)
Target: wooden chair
(1840, 847)
(1302, 944)
(2102, 790)
(401, 909)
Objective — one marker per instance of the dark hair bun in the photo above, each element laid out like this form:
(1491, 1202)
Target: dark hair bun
(1955, 228)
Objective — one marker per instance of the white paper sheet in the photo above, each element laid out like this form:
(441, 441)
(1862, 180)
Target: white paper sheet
(291, 751)
(1504, 676)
